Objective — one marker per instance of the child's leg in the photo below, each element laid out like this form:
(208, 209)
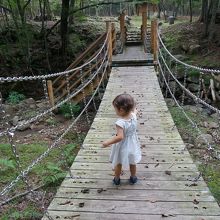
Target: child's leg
(133, 170)
(118, 171)
(133, 178)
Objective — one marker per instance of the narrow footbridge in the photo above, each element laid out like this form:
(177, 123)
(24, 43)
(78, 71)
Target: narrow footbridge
(169, 184)
(166, 171)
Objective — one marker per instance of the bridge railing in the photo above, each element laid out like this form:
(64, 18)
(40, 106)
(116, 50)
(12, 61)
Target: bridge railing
(23, 182)
(169, 75)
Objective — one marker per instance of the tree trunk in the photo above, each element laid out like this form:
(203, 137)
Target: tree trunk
(159, 11)
(21, 11)
(49, 14)
(190, 10)
(203, 11)
(64, 27)
(72, 6)
(211, 28)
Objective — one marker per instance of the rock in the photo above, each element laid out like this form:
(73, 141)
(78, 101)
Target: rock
(193, 108)
(201, 139)
(9, 109)
(215, 115)
(194, 48)
(193, 79)
(189, 146)
(15, 120)
(178, 90)
(170, 102)
(180, 57)
(193, 87)
(29, 101)
(213, 125)
(23, 127)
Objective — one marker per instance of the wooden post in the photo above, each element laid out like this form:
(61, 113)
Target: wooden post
(144, 20)
(109, 32)
(50, 92)
(152, 37)
(113, 38)
(122, 27)
(155, 40)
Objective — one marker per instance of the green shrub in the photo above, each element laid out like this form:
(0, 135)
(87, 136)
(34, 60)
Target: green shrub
(6, 165)
(15, 97)
(66, 109)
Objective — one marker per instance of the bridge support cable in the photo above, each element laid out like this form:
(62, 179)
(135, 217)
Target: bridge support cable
(54, 107)
(25, 172)
(96, 77)
(203, 70)
(215, 153)
(211, 152)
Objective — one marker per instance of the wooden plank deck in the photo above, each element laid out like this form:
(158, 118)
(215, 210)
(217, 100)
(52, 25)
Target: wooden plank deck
(158, 194)
(133, 55)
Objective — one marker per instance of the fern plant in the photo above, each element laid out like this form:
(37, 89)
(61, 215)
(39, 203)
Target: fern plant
(68, 108)
(15, 97)
(6, 165)
(53, 174)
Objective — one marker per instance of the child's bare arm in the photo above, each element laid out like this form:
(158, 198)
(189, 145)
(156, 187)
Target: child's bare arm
(135, 111)
(119, 136)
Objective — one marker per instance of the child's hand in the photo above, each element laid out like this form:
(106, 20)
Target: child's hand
(105, 144)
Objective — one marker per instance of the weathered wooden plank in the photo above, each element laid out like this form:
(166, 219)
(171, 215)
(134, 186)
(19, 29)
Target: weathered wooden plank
(140, 185)
(140, 167)
(142, 175)
(113, 216)
(145, 158)
(127, 195)
(138, 207)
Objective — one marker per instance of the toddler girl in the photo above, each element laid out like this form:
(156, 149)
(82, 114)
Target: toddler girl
(126, 149)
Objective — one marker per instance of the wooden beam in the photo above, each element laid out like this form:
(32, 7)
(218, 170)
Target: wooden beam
(144, 20)
(50, 92)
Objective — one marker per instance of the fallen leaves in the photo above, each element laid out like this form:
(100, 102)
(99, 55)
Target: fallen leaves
(167, 172)
(81, 204)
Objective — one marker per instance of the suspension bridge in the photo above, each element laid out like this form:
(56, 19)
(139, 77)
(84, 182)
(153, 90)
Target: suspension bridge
(170, 185)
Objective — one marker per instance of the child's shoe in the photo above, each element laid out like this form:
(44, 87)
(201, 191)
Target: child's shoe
(116, 181)
(133, 180)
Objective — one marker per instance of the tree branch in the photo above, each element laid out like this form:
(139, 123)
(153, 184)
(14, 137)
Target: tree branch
(26, 4)
(90, 6)
(6, 9)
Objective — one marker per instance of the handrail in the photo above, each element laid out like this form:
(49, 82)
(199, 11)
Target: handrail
(83, 55)
(185, 64)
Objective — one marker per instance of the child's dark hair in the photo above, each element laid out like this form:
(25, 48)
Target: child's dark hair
(125, 102)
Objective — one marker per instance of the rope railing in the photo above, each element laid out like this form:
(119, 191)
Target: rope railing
(24, 173)
(196, 98)
(69, 97)
(47, 76)
(214, 153)
(185, 64)
(90, 82)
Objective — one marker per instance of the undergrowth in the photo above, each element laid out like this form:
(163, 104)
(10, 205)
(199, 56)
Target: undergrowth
(211, 172)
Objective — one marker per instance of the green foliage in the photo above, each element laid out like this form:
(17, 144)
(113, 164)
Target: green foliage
(51, 121)
(15, 97)
(53, 174)
(80, 17)
(212, 176)
(69, 153)
(28, 213)
(75, 44)
(68, 108)
(6, 164)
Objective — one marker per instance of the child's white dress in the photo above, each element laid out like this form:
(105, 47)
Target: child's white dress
(128, 150)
